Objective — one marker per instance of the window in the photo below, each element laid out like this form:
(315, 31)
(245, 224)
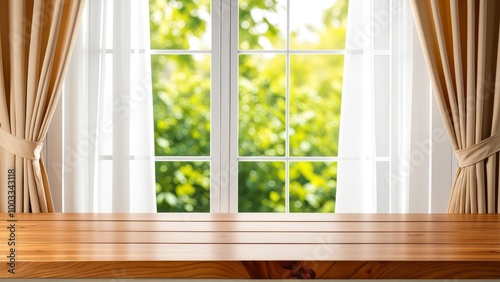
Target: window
(260, 106)
(252, 88)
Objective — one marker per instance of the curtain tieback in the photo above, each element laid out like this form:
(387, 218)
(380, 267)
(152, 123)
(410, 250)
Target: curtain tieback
(479, 151)
(20, 147)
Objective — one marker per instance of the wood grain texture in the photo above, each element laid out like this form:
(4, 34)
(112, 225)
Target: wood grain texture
(132, 269)
(273, 246)
(257, 217)
(372, 270)
(205, 237)
(260, 270)
(256, 252)
(281, 226)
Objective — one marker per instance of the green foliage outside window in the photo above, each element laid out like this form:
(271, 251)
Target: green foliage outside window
(181, 88)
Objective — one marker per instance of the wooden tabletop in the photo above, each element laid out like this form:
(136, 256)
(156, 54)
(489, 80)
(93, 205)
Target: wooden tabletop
(250, 246)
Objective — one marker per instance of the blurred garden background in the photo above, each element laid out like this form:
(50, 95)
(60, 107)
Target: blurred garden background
(181, 89)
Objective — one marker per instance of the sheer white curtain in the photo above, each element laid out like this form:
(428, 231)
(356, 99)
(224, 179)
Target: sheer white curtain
(356, 173)
(107, 160)
(394, 155)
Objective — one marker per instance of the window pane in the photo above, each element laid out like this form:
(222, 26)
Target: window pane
(262, 105)
(183, 186)
(107, 6)
(261, 187)
(318, 24)
(315, 96)
(382, 89)
(181, 101)
(262, 24)
(313, 186)
(106, 113)
(381, 23)
(176, 24)
(383, 187)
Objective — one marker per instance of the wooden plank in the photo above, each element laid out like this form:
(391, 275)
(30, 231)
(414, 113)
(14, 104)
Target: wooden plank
(259, 270)
(377, 270)
(257, 217)
(57, 226)
(252, 252)
(105, 237)
(124, 269)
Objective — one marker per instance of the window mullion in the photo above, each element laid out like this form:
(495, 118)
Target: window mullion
(215, 107)
(224, 61)
(233, 105)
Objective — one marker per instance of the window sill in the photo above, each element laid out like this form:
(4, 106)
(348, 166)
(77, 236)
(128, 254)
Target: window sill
(253, 246)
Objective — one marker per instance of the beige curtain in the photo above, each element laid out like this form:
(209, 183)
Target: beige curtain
(461, 45)
(36, 38)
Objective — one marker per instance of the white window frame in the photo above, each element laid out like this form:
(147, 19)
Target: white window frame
(224, 166)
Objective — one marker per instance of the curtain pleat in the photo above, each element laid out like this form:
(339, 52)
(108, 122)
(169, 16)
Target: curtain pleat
(36, 38)
(461, 45)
